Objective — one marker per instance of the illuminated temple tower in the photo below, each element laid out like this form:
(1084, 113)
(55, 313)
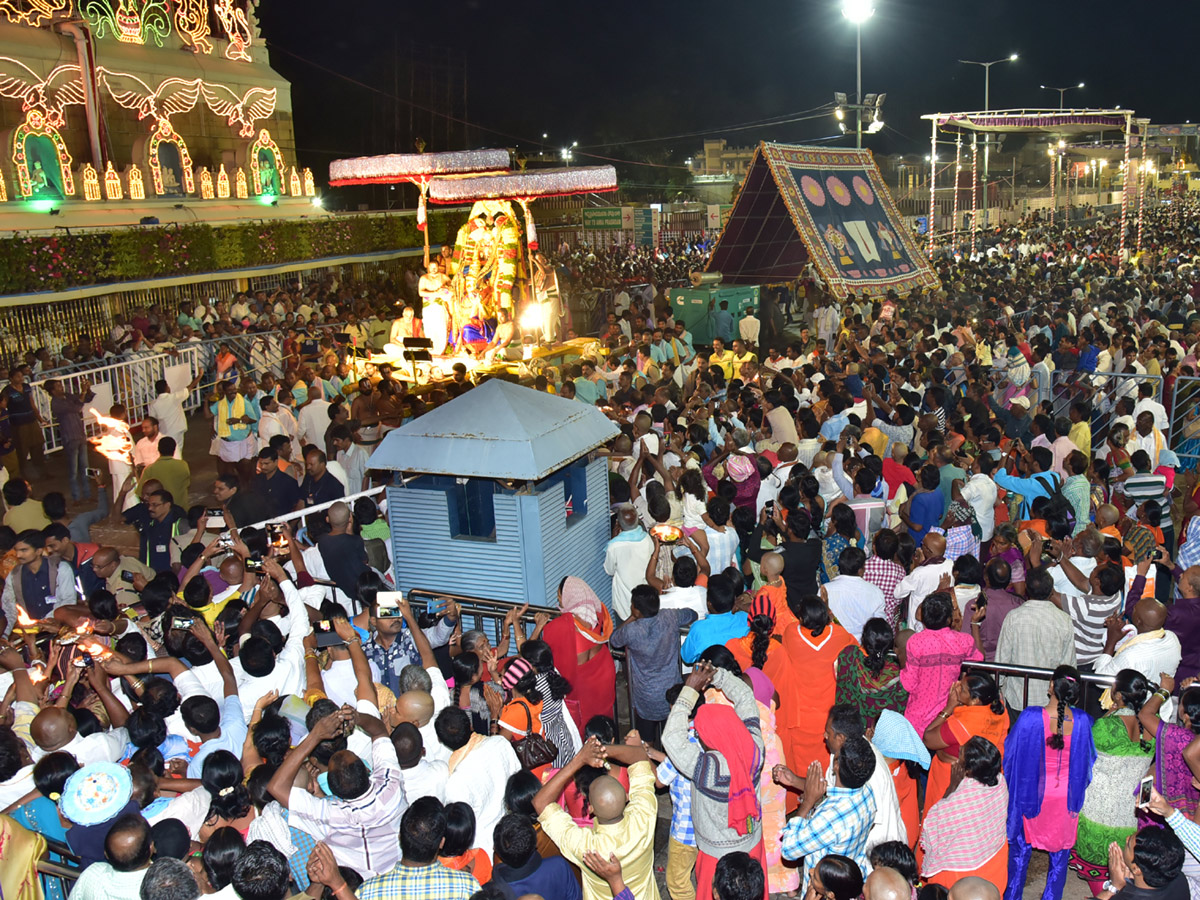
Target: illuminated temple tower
(127, 104)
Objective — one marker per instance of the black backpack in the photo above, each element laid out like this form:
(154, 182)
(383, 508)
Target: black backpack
(1059, 505)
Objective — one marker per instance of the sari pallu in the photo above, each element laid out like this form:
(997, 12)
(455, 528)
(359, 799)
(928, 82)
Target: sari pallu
(1172, 777)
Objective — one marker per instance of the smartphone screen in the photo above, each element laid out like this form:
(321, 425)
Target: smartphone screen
(1144, 791)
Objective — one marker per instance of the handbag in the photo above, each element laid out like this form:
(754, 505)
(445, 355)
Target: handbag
(533, 751)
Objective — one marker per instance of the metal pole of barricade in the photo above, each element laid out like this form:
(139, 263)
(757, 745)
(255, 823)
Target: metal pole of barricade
(1184, 436)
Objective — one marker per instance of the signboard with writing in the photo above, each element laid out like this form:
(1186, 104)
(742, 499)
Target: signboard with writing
(643, 227)
(605, 219)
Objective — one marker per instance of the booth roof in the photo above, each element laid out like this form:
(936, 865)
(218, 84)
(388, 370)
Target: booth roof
(497, 430)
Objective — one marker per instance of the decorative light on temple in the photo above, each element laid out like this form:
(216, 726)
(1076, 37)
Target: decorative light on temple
(131, 21)
(165, 132)
(237, 29)
(206, 185)
(3, 189)
(112, 183)
(222, 183)
(253, 106)
(310, 187)
(35, 15)
(294, 183)
(137, 186)
(49, 94)
(262, 185)
(243, 191)
(37, 125)
(91, 182)
(396, 168)
(191, 21)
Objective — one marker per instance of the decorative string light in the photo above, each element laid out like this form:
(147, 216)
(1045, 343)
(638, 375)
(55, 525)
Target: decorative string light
(206, 185)
(398, 168)
(240, 184)
(222, 183)
(930, 226)
(1125, 186)
(112, 183)
(957, 169)
(1141, 187)
(538, 183)
(264, 142)
(974, 192)
(166, 133)
(297, 190)
(137, 186)
(310, 187)
(37, 125)
(91, 182)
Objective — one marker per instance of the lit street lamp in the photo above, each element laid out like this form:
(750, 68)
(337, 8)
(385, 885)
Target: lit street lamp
(1061, 91)
(857, 12)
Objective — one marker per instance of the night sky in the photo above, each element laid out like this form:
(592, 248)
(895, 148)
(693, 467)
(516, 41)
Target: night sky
(623, 71)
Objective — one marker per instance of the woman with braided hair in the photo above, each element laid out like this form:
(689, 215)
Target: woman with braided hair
(1124, 750)
(868, 675)
(753, 650)
(1048, 759)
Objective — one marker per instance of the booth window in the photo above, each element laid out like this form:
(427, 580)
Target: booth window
(472, 514)
(575, 491)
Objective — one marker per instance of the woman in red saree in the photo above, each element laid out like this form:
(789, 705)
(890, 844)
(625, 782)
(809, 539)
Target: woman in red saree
(579, 641)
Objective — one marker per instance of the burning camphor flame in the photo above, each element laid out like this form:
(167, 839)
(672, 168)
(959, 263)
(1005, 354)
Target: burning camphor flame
(117, 443)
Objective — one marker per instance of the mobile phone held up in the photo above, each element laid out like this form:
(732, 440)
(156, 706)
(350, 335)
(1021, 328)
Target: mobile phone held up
(326, 636)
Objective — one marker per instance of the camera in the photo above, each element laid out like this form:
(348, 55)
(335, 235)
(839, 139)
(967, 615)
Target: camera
(215, 512)
(253, 565)
(127, 576)
(183, 624)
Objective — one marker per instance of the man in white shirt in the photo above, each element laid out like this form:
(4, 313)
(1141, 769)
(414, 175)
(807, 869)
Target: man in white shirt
(352, 457)
(313, 420)
(127, 850)
(923, 580)
(845, 722)
(980, 491)
(749, 328)
(626, 558)
(1147, 403)
(684, 593)
(850, 598)
(145, 451)
(167, 408)
(1147, 647)
(479, 771)
(423, 777)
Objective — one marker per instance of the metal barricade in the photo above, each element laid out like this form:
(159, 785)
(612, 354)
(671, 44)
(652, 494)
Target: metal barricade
(1184, 437)
(1091, 682)
(1103, 390)
(131, 383)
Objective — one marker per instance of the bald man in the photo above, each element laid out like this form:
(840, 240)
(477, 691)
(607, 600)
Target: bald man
(624, 824)
(54, 729)
(924, 579)
(886, 884)
(626, 558)
(1148, 648)
(420, 708)
(343, 553)
(128, 849)
(423, 777)
(104, 570)
(974, 888)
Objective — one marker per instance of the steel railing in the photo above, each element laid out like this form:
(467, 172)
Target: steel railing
(1103, 390)
(1091, 682)
(1184, 437)
(131, 381)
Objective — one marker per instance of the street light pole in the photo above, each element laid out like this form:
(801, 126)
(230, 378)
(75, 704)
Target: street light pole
(858, 95)
(857, 12)
(987, 105)
(1062, 91)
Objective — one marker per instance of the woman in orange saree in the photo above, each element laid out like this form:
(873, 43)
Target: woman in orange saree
(973, 709)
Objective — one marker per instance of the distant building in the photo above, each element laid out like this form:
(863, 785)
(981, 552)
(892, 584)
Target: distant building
(718, 158)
